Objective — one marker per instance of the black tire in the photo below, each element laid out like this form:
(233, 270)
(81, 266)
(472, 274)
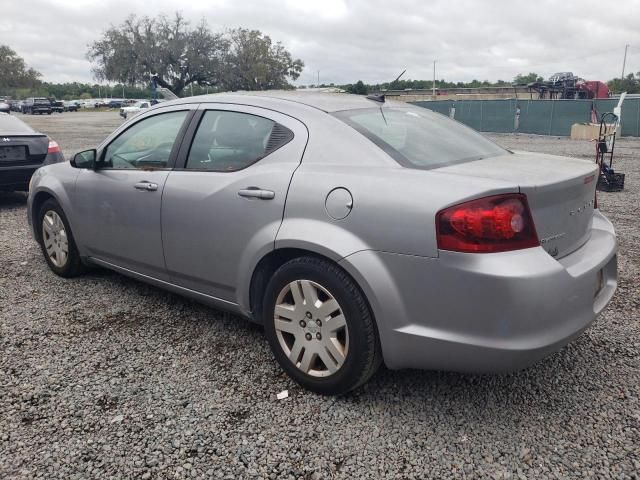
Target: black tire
(73, 265)
(363, 356)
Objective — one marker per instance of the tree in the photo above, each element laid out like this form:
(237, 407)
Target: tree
(254, 62)
(359, 88)
(529, 78)
(631, 84)
(179, 55)
(14, 72)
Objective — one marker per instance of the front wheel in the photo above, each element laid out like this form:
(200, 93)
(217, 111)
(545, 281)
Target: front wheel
(320, 327)
(57, 242)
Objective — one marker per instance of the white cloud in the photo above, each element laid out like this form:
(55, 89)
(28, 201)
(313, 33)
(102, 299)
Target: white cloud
(372, 40)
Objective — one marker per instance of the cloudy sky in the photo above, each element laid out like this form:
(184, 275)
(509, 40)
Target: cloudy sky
(372, 40)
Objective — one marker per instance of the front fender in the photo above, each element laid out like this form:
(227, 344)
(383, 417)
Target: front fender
(57, 181)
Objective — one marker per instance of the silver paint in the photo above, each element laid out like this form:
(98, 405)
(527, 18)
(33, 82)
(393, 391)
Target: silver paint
(196, 235)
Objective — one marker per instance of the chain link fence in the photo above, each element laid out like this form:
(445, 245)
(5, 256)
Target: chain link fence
(541, 117)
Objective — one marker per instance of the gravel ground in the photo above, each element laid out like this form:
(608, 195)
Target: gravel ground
(106, 377)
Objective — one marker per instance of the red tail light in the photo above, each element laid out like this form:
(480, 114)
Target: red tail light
(53, 147)
(491, 224)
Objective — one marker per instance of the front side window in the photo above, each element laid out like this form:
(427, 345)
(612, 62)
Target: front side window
(418, 139)
(229, 141)
(147, 144)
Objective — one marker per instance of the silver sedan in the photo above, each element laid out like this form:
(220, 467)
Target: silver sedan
(356, 230)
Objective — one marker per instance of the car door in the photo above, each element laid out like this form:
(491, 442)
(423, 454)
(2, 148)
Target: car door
(222, 210)
(118, 203)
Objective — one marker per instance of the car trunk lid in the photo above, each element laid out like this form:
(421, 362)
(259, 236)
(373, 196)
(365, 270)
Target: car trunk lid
(560, 192)
(23, 149)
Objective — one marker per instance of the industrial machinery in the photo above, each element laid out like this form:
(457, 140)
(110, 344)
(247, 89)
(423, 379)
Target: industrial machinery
(565, 85)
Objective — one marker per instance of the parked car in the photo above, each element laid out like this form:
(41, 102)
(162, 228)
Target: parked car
(134, 109)
(355, 230)
(57, 106)
(22, 151)
(16, 105)
(5, 106)
(70, 106)
(102, 103)
(35, 105)
(114, 103)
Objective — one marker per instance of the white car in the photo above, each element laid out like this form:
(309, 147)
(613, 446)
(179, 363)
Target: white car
(134, 109)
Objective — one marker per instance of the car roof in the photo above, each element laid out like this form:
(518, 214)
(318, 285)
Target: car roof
(324, 101)
(12, 125)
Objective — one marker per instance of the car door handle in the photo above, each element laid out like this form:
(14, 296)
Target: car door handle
(255, 192)
(148, 186)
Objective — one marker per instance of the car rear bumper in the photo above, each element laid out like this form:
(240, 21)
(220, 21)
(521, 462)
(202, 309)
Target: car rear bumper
(16, 178)
(485, 312)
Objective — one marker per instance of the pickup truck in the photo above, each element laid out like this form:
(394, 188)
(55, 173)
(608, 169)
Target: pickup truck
(57, 106)
(35, 105)
(134, 109)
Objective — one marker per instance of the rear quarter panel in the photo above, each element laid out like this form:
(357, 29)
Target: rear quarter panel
(393, 207)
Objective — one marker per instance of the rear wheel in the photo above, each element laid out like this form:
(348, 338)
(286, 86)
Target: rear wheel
(319, 326)
(56, 241)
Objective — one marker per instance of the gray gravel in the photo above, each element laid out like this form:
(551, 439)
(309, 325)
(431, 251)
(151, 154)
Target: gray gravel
(106, 377)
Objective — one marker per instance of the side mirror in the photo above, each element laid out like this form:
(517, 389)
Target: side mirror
(86, 159)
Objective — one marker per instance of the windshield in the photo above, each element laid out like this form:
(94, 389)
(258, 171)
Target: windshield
(420, 139)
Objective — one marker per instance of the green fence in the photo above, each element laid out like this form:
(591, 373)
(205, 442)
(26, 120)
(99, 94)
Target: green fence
(541, 117)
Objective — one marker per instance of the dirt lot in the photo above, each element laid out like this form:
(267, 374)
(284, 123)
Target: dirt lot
(106, 377)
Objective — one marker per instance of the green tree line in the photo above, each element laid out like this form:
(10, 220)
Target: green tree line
(251, 70)
(631, 84)
(82, 91)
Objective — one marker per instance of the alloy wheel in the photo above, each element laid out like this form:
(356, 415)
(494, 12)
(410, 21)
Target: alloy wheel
(54, 236)
(311, 328)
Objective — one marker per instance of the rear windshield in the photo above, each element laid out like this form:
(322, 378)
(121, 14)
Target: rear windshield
(420, 139)
(12, 125)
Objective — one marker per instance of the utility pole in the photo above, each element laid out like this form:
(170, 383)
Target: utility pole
(318, 77)
(624, 61)
(123, 97)
(434, 79)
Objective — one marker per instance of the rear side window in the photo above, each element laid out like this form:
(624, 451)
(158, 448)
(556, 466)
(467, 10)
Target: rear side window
(229, 141)
(419, 139)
